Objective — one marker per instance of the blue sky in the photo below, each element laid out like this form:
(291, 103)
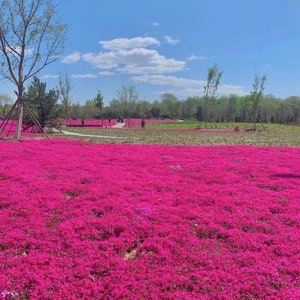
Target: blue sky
(167, 46)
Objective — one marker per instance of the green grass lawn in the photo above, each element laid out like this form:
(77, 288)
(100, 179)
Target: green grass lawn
(184, 133)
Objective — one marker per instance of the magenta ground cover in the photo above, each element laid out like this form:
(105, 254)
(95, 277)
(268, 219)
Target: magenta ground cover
(96, 221)
(9, 128)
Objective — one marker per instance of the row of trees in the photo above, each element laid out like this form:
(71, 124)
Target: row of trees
(224, 109)
(253, 108)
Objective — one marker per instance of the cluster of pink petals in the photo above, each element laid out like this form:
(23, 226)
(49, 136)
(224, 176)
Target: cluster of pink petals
(9, 128)
(83, 220)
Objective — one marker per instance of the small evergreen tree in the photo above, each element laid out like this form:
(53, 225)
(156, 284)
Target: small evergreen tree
(98, 102)
(42, 104)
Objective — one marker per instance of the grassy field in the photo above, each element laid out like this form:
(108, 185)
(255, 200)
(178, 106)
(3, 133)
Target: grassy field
(186, 133)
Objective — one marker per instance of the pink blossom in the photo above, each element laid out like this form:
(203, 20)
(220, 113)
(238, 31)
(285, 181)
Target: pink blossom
(82, 220)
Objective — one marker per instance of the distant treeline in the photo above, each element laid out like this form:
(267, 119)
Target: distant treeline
(224, 109)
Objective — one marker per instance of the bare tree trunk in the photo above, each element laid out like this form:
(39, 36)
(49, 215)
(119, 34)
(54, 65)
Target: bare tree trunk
(20, 119)
(20, 106)
(206, 102)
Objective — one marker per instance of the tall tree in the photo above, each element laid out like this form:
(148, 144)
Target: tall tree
(292, 105)
(143, 109)
(75, 110)
(212, 84)
(190, 107)
(41, 103)
(115, 108)
(65, 89)
(98, 102)
(256, 97)
(170, 105)
(268, 108)
(231, 108)
(31, 37)
(128, 97)
(156, 109)
(89, 110)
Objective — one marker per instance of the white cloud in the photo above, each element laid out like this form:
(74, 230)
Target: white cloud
(107, 60)
(82, 76)
(170, 40)
(141, 61)
(169, 80)
(196, 57)
(155, 24)
(181, 87)
(123, 43)
(187, 87)
(72, 58)
(134, 61)
(106, 73)
(49, 76)
(227, 89)
(181, 93)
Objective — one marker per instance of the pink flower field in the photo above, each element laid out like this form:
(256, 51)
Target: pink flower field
(81, 220)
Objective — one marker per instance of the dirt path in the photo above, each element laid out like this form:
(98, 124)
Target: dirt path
(92, 135)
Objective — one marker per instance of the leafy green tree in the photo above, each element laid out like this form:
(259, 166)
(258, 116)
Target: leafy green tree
(89, 110)
(219, 109)
(212, 84)
(99, 103)
(156, 109)
(256, 96)
(190, 107)
(231, 108)
(288, 110)
(199, 113)
(75, 110)
(170, 105)
(128, 97)
(42, 104)
(115, 108)
(65, 89)
(31, 37)
(293, 108)
(268, 109)
(143, 108)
